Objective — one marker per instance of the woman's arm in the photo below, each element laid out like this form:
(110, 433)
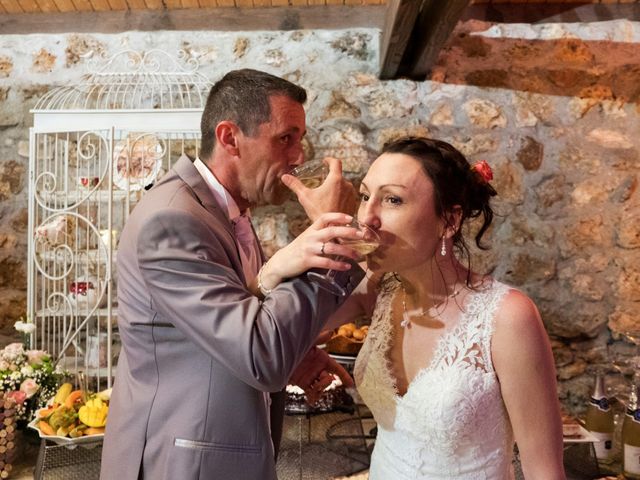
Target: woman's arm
(524, 364)
(313, 373)
(360, 303)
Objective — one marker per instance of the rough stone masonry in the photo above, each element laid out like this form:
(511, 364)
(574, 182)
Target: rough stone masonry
(554, 109)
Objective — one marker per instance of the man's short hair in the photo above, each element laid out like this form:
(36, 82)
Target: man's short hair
(242, 96)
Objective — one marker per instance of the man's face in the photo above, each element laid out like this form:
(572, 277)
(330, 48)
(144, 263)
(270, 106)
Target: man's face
(274, 150)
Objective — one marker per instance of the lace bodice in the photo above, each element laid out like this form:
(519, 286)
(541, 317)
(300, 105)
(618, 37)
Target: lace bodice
(451, 423)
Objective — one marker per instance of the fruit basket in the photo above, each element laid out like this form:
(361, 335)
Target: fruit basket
(71, 428)
(73, 417)
(60, 440)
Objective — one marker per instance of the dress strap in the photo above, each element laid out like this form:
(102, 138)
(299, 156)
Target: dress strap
(492, 300)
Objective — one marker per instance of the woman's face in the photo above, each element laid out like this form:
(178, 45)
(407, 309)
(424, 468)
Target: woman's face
(397, 200)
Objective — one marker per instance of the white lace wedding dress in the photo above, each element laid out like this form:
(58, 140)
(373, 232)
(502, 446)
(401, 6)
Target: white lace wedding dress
(452, 422)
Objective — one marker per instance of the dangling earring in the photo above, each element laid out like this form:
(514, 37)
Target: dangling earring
(443, 250)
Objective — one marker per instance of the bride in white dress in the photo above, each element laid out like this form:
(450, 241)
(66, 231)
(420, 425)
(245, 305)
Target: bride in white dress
(456, 366)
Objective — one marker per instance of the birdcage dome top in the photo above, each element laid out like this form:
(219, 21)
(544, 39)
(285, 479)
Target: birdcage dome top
(132, 80)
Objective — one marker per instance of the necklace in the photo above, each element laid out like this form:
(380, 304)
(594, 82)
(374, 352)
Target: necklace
(421, 312)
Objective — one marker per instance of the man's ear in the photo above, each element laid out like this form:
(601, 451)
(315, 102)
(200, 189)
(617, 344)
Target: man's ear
(227, 133)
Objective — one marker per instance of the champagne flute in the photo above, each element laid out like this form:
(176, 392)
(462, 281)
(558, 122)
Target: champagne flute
(364, 246)
(311, 173)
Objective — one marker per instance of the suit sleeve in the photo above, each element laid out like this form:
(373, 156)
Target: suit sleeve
(192, 285)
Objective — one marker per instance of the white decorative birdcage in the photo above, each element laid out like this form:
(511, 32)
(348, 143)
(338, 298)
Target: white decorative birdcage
(95, 148)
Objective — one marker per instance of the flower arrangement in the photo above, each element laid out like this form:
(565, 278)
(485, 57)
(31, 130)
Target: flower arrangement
(27, 376)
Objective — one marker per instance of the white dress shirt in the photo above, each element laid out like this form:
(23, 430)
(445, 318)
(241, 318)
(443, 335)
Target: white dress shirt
(247, 241)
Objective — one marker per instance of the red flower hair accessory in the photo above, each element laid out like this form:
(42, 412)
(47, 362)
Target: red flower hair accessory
(484, 170)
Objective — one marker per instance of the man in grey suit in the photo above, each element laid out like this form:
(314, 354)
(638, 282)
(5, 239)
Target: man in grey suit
(207, 330)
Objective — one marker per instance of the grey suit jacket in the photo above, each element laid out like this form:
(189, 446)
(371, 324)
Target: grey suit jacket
(198, 349)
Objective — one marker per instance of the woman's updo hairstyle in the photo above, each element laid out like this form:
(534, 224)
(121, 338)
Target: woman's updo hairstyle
(455, 182)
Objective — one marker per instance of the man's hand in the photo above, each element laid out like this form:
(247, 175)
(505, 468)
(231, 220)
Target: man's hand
(315, 373)
(334, 195)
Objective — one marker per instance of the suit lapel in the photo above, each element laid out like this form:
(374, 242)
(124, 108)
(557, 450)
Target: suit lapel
(185, 169)
(189, 174)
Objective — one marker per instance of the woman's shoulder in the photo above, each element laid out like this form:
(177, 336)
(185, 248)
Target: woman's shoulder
(509, 296)
(517, 318)
(515, 303)
(509, 305)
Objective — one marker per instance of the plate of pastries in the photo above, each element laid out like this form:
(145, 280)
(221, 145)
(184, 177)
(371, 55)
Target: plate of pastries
(347, 339)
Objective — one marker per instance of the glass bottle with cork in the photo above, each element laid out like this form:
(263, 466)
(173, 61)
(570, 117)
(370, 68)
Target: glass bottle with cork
(631, 431)
(599, 421)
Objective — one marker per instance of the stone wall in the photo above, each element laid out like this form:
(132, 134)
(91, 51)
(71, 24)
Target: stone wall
(554, 109)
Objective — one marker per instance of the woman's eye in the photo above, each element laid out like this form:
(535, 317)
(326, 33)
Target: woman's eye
(394, 200)
(363, 197)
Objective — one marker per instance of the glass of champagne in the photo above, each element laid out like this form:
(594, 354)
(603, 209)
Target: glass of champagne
(364, 246)
(311, 173)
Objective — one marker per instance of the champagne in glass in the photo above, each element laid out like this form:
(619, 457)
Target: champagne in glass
(364, 246)
(312, 173)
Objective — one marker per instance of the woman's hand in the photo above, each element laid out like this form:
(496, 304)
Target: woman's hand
(336, 194)
(313, 248)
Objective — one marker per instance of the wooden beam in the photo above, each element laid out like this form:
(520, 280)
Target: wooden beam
(552, 12)
(218, 19)
(47, 6)
(435, 23)
(136, 4)
(118, 5)
(224, 3)
(82, 5)
(100, 5)
(399, 21)
(11, 6)
(29, 6)
(65, 5)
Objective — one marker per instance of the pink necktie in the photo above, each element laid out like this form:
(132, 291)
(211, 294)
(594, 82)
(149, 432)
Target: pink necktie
(248, 246)
(250, 257)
